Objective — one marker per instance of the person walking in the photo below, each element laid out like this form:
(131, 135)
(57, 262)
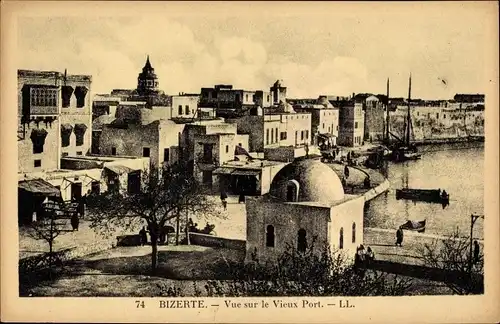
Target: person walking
(399, 236)
(346, 172)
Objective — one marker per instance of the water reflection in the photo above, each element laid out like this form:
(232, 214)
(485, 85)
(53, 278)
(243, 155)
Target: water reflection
(459, 172)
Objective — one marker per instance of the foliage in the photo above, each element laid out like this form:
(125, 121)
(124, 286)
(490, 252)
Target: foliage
(304, 274)
(453, 255)
(48, 228)
(165, 194)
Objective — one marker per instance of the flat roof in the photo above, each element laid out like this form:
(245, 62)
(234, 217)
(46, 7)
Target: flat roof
(103, 158)
(252, 164)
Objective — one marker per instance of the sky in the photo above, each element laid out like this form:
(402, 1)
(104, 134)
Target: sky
(315, 48)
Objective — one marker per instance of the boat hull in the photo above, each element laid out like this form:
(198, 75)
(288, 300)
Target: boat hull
(414, 226)
(427, 195)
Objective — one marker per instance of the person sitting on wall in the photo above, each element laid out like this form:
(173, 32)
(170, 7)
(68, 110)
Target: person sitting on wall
(370, 256)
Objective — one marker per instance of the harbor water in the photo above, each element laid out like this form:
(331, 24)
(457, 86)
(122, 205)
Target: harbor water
(459, 171)
(456, 169)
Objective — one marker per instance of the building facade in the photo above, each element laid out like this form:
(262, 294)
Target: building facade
(54, 139)
(273, 129)
(324, 121)
(185, 106)
(351, 124)
(136, 132)
(227, 101)
(374, 119)
(54, 118)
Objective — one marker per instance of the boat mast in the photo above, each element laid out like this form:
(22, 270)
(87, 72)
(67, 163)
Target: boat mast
(408, 119)
(387, 118)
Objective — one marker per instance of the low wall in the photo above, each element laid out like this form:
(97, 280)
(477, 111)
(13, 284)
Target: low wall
(216, 242)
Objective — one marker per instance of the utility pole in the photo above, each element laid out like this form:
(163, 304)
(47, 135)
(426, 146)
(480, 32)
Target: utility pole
(387, 118)
(473, 219)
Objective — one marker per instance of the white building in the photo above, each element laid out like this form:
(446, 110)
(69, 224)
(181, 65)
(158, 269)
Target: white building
(306, 204)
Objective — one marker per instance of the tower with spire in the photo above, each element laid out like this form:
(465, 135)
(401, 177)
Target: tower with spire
(147, 81)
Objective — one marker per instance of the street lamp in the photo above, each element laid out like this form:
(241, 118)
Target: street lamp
(473, 219)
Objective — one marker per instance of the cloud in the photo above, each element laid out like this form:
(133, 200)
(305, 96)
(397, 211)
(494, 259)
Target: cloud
(334, 56)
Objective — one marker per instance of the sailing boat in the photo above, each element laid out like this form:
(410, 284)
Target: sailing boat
(404, 150)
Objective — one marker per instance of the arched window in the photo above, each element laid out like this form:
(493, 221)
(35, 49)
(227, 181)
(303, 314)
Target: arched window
(301, 240)
(341, 238)
(270, 236)
(353, 232)
(292, 191)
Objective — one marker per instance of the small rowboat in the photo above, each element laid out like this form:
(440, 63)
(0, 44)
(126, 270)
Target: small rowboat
(416, 226)
(428, 195)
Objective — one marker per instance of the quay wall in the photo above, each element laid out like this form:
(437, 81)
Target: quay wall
(216, 242)
(449, 140)
(374, 192)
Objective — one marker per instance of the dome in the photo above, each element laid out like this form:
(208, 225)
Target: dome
(307, 180)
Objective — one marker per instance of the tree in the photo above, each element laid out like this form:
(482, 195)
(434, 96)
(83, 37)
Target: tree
(164, 195)
(52, 224)
(453, 256)
(306, 273)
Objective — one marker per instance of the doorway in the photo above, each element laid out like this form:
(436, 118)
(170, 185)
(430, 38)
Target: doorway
(76, 190)
(134, 182)
(207, 178)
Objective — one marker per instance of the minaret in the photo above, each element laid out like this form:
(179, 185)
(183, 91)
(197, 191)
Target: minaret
(147, 81)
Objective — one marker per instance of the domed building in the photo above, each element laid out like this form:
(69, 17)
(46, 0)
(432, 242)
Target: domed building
(306, 207)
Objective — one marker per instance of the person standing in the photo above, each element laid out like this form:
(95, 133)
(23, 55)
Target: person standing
(399, 236)
(367, 182)
(223, 197)
(75, 221)
(346, 172)
(81, 205)
(143, 236)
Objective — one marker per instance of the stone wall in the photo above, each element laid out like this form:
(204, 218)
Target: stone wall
(216, 242)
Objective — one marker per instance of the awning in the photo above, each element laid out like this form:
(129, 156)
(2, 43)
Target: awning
(246, 172)
(326, 135)
(223, 171)
(39, 186)
(118, 169)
